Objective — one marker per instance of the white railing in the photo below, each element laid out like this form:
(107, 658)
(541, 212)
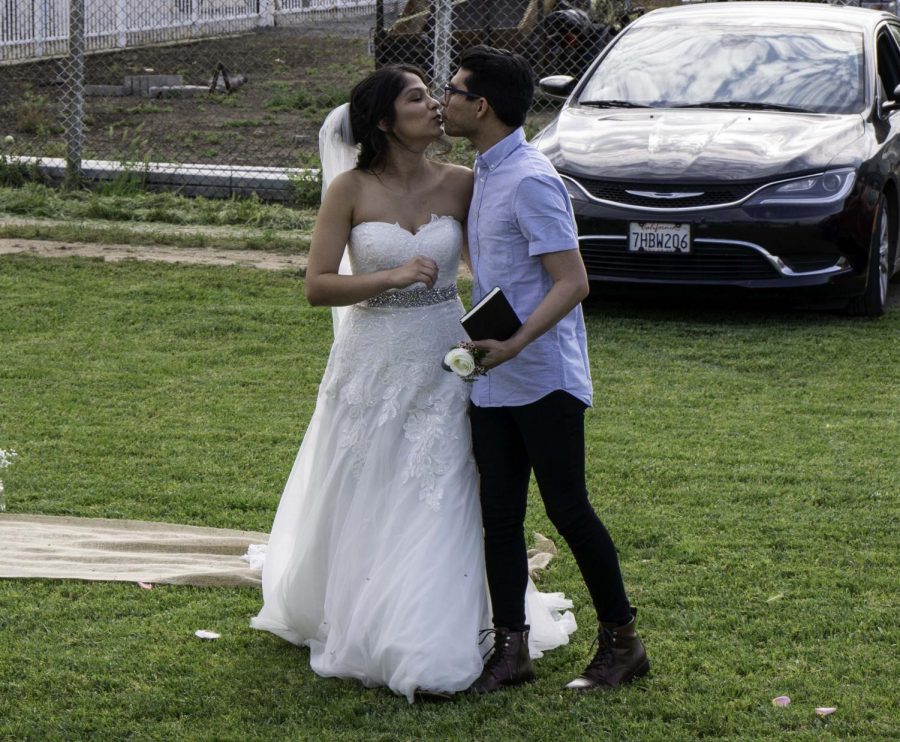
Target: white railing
(35, 29)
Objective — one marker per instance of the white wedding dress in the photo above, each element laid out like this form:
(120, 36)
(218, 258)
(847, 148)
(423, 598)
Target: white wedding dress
(375, 559)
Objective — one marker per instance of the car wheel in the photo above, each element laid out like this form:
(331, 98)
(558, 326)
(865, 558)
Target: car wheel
(878, 273)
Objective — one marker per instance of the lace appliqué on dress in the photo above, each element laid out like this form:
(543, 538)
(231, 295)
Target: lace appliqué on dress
(376, 400)
(426, 430)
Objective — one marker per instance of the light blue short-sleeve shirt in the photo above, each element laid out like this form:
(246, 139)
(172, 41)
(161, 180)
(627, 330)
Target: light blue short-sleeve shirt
(520, 211)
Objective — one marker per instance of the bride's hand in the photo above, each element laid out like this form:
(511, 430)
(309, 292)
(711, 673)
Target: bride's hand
(416, 270)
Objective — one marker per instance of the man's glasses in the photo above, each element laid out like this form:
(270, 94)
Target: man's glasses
(451, 90)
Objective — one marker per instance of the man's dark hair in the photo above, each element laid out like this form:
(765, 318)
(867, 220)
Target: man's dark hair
(505, 79)
(371, 102)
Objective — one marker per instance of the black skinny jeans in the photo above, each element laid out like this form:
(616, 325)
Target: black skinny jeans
(548, 436)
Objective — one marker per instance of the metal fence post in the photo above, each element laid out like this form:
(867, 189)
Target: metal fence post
(121, 23)
(443, 41)
(40, 28)
(266, 12)
(74, 102)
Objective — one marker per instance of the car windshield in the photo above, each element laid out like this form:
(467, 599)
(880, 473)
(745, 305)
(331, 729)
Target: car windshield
(749, 67)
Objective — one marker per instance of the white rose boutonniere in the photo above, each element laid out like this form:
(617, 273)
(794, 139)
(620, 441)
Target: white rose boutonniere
(462, 359)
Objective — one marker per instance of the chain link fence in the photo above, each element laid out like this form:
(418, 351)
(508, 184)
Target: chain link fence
(556, 36)
(220, 97)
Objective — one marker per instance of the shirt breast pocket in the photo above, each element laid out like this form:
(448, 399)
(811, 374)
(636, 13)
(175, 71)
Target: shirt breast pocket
(497, 243)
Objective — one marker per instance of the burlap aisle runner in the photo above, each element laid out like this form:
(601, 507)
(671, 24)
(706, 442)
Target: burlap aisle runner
(55, 547)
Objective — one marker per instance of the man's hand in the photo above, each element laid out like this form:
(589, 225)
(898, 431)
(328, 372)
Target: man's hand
(570, 286)
(498, 352)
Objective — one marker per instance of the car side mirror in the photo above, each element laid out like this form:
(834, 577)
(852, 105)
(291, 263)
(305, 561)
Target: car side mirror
(557, 86)
(893, 102)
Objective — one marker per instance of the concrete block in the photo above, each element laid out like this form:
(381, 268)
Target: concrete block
(107, 90)
(141, 84)
(178, 91)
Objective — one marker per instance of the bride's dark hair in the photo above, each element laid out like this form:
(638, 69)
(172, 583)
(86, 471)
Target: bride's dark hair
(371, 102)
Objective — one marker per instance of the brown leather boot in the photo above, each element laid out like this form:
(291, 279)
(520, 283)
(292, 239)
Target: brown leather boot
(620, 658)
(509, 663)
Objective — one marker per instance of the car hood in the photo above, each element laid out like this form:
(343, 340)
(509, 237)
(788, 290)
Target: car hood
(698, 144)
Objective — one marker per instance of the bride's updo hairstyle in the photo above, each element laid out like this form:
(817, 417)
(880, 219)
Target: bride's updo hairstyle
(371, 102)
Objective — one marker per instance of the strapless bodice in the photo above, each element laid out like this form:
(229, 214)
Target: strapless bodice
(376, 246)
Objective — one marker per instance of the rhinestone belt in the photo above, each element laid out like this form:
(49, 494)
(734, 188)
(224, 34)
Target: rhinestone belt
(412, 298)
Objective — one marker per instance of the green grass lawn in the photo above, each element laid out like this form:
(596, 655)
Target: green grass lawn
(122, 213)
(745, 462)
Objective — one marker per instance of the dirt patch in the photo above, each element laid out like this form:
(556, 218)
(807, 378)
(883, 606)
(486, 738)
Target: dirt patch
(189, 255)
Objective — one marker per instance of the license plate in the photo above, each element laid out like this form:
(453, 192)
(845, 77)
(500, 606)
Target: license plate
(659, 237)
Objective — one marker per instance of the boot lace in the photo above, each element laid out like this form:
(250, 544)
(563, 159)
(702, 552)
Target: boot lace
(605, 639)
(495, 655)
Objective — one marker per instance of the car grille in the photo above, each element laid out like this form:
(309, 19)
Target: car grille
(704, 263)
(711, 194)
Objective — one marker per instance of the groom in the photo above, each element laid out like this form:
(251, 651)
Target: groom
(528, 412)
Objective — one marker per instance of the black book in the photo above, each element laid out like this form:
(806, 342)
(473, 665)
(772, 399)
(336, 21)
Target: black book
(493, 318)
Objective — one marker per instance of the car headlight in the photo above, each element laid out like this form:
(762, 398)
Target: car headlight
(823, 188)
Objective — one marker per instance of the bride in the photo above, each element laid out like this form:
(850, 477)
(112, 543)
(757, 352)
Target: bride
(375, 559)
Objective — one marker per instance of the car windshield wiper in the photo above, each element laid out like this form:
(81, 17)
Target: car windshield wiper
(746, 104)
(611, 104)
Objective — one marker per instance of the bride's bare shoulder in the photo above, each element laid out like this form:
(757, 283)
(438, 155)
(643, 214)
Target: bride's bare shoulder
(349, 186)
(347, 180)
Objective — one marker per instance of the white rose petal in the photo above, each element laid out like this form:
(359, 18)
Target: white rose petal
(460, 361)
(825, 710)
(204, 634)
(781, 701)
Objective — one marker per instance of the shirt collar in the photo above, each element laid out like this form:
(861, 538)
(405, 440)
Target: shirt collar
(501, 150)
